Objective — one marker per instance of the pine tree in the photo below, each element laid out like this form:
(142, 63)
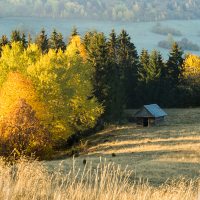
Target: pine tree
(105, 79)
(128, 64)
(98, 56)
(152, 79)
(175, 64)
(53, 43)
(116, 92)
(142, 69)
(142, 78)
(175, 70)
(87, 40)
(15, 36)
(61, 44)
(23, 40)
(4, 41)
(155, 78)
(74, 33)
(56, 41)
(42, 42)
(29, 39)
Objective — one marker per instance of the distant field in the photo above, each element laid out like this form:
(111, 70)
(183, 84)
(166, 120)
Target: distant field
(157, 153)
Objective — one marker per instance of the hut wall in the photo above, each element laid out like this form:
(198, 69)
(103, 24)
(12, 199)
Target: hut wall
(159, 121)
(139, 121)
(152, 121)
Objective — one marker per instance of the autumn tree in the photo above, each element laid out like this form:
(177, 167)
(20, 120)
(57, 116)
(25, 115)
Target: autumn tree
(17, 87)
(14, 57)
(62, 80)
(191, 84)
(56, 85)
(21, 130)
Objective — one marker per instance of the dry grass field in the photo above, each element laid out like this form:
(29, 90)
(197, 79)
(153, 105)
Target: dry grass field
(157, 153)
(157, 163)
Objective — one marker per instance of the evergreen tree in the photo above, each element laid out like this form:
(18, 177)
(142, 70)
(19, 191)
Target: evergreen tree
(98, 56)
(155, 78)
(53, 40)
(175, 69)
(128, 64)
(142, 69)
(4, 41)
(87, 39)
(42, 42)
(15, 36)
(74, 32)
(175, 63)
(116, 93)
(105, 79)
(61, 44)
(23, 40)
(29, 39)
(152, 79)
(142, 77)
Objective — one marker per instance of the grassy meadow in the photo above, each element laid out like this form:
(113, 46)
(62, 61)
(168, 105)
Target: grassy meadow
(122, 162)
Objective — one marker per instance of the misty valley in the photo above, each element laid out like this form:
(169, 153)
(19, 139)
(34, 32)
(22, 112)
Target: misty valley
(141, 33)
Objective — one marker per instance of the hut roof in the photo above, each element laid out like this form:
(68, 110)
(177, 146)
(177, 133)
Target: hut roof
(152, 110)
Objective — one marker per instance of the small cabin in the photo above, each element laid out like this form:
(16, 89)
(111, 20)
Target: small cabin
(150, 115)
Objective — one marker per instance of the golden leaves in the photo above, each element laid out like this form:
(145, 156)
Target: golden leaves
(76, 47)
(191, 67)
(17, 87)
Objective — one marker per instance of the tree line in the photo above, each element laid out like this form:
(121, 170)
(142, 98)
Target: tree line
(52, 92)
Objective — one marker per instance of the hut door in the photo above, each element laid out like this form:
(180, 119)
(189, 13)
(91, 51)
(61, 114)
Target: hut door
(145, 122)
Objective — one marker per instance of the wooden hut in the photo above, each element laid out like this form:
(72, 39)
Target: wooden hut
(150, 115)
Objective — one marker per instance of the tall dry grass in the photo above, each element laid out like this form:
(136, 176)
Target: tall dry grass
(28, 179)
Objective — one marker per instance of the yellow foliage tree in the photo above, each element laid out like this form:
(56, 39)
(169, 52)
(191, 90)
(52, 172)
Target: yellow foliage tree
(17, 58)
(63, 80)
(21, 130)
(76, 46)
(191, 68)
(60, 91)
(17, 87)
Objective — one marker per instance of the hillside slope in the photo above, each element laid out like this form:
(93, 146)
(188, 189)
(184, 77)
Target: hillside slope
(157, 153)
(124, 10)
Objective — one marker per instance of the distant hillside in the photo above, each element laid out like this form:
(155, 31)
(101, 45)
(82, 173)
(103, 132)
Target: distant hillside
(116, 10)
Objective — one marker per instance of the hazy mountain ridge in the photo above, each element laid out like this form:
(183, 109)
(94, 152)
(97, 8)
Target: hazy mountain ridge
(125, 10)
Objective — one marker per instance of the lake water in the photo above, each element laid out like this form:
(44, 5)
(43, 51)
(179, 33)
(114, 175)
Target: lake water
(140, 33)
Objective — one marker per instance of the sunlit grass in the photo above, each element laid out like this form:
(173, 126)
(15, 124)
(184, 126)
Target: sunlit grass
(167, 156)
(32, 180)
